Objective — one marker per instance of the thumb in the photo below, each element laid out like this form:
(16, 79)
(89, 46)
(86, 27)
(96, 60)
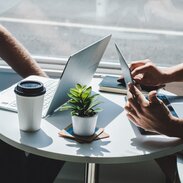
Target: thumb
(153, 97)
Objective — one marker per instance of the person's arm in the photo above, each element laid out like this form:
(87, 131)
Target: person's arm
(146, 73)
(174, 73)
(17, 56)
(152, 114)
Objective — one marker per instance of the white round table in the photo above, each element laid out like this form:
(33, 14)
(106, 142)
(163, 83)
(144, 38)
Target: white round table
(124, 145)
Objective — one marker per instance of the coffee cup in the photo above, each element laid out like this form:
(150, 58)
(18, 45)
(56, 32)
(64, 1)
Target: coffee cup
(29, 99)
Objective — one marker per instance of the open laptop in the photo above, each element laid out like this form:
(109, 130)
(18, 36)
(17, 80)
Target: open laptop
(128, 79)
(80, 68)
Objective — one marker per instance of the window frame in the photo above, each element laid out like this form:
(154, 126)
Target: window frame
(54, 66)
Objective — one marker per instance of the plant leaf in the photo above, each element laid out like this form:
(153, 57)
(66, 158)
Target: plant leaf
(86, 93)
(94, 104)
(66, 107)
(98, 110)
(73, 97)
(82, 102)
(74, 92)
(94, 97)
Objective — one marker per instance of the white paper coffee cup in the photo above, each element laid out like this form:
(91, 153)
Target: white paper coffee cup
(29, 99)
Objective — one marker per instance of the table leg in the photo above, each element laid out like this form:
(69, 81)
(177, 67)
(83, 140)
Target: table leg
(169, 168)
(91, 173)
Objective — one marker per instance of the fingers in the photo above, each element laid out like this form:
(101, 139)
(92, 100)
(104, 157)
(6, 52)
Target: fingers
(138, 86)
(138, 63)
(139, 70)
(137, 94)
(155, 101)
(153, 97)
(129, 94)
(121, 80)
(130, 109)
(132, 104)
(133, 119)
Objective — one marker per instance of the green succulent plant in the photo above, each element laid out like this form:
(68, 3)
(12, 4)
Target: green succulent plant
(82, 103)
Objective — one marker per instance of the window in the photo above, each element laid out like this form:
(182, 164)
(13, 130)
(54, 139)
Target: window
(53, 29)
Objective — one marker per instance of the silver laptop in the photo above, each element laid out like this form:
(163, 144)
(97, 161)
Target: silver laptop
(80, 68)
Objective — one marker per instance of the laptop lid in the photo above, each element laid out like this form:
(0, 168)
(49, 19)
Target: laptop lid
(80, 68)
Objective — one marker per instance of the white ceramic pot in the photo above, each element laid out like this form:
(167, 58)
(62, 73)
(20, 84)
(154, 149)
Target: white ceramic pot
(84, 126)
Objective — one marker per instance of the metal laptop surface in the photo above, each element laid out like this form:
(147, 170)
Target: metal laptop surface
(80, 68)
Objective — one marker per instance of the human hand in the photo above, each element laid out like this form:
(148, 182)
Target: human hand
(152, 114)
(146, 73)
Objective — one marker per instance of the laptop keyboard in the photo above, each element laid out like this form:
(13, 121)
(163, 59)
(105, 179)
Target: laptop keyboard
(13, 103)
(9, 103)
(50, 90)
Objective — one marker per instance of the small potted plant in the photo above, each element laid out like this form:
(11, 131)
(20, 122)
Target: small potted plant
(84, 111)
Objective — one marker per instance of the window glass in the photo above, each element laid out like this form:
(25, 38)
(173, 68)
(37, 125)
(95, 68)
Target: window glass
(57, 28)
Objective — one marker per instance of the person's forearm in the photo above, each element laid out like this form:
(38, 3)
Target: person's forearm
(173, 74)
(17, 56)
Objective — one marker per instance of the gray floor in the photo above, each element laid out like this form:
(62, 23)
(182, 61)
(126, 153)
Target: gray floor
(121, 173)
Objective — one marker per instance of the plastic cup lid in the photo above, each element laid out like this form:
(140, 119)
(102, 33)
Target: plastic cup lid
(30, 88)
